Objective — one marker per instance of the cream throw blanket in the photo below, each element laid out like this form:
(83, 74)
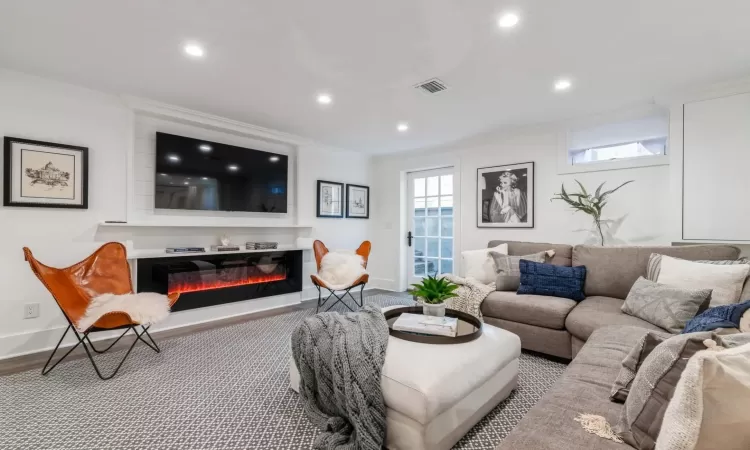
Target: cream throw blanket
(145, 308)
(471, 293)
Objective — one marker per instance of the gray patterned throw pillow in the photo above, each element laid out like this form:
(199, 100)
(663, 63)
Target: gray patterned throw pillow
(508, 271)
(665, 306)
(632, 363)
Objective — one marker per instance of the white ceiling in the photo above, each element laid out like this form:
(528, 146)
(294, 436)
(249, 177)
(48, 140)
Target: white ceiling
(266, 60)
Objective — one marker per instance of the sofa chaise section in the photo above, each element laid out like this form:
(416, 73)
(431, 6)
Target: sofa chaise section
(584, 388)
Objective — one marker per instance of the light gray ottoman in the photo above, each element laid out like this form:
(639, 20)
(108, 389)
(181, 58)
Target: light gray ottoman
(434, 394)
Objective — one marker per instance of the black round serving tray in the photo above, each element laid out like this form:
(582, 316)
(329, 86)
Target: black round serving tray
(469, 327)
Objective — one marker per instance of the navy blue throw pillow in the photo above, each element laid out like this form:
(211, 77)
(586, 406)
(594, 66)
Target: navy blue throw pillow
(552, 280)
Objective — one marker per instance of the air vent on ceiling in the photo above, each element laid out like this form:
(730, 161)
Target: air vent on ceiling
(432, 86)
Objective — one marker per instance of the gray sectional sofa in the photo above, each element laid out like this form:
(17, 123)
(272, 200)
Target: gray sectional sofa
(593, 332)
(560, 326)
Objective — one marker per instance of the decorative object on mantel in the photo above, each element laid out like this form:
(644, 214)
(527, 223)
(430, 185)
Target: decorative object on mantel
(45, 175)
(330, 199)
(185, 249)
(107, 302)
(225, 248)
(505, 196)
(591, 204)
(357, 201)
(261, 245)
(432, 293)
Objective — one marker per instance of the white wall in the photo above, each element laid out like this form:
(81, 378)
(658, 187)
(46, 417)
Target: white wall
(36, 109)
(120, 143)
(645, 201)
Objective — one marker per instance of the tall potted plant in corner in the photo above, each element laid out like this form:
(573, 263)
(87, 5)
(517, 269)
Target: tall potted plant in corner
(432, 293)
(591, 204)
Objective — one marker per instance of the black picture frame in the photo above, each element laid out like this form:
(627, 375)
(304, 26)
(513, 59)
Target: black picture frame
(529, 191)
(348, 199)
(8, 174)
(319, 213)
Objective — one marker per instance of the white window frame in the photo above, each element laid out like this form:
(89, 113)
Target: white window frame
(566, 166)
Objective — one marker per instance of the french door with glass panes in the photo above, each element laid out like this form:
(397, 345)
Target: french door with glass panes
(430, 223)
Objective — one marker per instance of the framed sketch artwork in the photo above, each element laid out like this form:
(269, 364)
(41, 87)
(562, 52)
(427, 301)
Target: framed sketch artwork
(505, 196)
(46, 175)
(357, 201)
(330, 199)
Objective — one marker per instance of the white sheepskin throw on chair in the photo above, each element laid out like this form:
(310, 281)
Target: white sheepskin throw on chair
(145, 308)
(339, 269)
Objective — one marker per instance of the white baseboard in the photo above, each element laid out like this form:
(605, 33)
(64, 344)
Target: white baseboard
(44, 340)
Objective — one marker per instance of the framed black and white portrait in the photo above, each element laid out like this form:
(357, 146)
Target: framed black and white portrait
(357, 201)
(330, 199)
(45, 175)
(505, 196)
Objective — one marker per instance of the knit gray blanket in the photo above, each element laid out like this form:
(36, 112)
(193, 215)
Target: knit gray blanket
(340, 360)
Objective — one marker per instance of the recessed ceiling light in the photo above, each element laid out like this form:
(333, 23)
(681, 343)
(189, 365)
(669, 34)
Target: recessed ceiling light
(233, 167)
(402, 127)
(204, 178)
(563, 84)
(194, 50)
(508, 20)
(205, 148)
(163, 174)
(325, 99)
(187, 182)
(274, 158)
(174, 158)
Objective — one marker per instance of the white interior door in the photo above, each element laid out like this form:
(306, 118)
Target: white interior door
(431, 197)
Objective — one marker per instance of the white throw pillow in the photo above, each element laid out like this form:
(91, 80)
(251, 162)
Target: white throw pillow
(479, 265)
(708, 409)
(725, 280)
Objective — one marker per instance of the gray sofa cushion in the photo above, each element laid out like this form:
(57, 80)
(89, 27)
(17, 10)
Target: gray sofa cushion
(653, 386)
(547, 312)
(596, 312)
(632, 363)
(665, 306)
(583, 389)
(563, 252)
(508, 270)
(611, 271)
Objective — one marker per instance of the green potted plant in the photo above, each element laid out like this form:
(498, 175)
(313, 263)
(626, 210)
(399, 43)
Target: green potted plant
(588, 203)
(432, 294)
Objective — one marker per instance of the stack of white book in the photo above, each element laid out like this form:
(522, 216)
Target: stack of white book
(417, 323)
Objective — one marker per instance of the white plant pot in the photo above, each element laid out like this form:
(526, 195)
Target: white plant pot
(433, 310)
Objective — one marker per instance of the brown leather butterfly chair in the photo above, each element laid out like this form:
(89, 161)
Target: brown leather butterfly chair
(106, 271)
(320, 251)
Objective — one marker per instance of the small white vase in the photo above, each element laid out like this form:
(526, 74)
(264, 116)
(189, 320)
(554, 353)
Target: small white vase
(437, 310)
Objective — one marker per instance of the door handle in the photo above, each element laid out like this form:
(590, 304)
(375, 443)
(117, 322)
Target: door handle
(409, 237)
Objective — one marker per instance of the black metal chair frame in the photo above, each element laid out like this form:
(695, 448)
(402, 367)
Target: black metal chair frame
(339, 299)
(83, 337)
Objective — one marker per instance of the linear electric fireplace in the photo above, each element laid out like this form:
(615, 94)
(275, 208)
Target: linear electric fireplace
(208, 280)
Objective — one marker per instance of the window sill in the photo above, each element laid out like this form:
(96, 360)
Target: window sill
(565, 167)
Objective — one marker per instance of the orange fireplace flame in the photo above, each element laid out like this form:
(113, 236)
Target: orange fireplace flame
(184, 287)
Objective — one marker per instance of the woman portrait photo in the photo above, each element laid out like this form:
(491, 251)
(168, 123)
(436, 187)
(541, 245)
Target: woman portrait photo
(505, 196)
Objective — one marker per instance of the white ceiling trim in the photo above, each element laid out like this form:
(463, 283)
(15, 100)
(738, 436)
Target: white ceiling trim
(158, 109)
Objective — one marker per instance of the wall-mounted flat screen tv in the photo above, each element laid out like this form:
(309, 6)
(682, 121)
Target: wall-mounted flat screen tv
(202, 175)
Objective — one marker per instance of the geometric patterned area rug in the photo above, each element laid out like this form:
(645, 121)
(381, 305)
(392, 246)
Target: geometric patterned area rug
(222, 389)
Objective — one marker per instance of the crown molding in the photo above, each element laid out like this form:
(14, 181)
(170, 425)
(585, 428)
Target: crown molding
(706, 92)
(165, 110)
